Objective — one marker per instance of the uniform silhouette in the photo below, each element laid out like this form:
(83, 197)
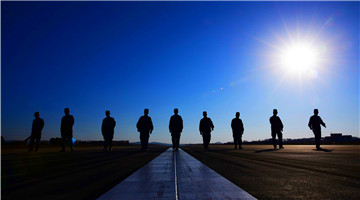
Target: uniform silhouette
(237, 127)
(314, 124)
(107, 130)
(37, 126)
(175, 128)
(67, 123)
(205, 128)
(276, 129)
(145, 127)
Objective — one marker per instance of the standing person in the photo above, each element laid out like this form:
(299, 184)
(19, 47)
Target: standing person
(205, 128)
(175, 127)
(237, 127)
(37, 126)
(67, 123)
(276, 129)
(314, 124)
(107, 130)
(145, 127)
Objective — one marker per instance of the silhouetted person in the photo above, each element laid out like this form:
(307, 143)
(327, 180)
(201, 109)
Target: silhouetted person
(205, 128)
(175, 127)
(237, 127)
(37, 126)
(107, 130)
(276, 129)
(67, 123)
(314, 124)
(145, 127)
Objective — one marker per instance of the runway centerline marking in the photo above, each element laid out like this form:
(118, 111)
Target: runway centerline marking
(175, 175)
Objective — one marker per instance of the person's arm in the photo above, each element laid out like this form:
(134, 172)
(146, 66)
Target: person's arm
(241, 126)
(42, 124)
(151, 126)
(281, 124)
(211, 124)
(72, 120)
(181, 124)
(114, 122)
(170, 124)
(102, 127)
(310, 124)
(322, 123)
(200, 127)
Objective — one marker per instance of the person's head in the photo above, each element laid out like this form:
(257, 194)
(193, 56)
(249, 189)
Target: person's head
(36, 114)
(205, 114)
(275, 112)
(146, 111)
(176, 111)
(107, 113)
(316, 112)
(237, 114)
(66, 111)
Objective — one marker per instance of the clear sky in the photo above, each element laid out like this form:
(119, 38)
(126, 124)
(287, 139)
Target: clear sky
(221, 57)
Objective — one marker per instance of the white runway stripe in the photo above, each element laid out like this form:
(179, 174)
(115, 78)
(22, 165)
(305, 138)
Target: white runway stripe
(175, 175)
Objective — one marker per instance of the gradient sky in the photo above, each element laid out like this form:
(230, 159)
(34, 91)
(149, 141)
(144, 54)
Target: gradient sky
(127, 56)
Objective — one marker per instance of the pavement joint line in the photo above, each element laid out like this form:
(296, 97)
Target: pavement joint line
(176, 181)
(175, 175)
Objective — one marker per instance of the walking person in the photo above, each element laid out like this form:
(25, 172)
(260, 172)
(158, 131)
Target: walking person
(175, 128)
(37, 126)
(205, 128)
(276, 129)
(107, 130)
(237, 127)
(145, 127)
(314, 124)
(67, 123)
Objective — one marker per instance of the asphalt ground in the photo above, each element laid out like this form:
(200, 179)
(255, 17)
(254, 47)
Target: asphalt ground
(86, 173)
(296, 172)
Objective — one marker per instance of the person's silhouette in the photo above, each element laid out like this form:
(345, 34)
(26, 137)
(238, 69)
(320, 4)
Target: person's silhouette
(175, 128)
(37, 126)
(237, 127)
(276, 129)
(145, 127)
(107, 130)
(67, 123)
(205, 128)
(314, 124)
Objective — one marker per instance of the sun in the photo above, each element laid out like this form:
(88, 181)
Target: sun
(299, 58)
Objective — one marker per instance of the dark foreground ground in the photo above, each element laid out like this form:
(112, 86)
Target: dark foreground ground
(84, 174)
(296, 172)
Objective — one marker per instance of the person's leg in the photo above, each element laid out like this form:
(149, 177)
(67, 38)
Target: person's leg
(63, 142)
(279, 134)
(173, 140)
(71, 143)
(208, 138)
(235, 140)
(273, 135)
(31, 144)
(37, 142)
(317, 139)
(204, 140)
(240, 141)
(177, 138)
(142, 140)
(105, 143)
(147, 136)
(110, 143)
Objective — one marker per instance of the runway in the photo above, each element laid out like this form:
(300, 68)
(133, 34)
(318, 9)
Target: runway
(175, 175)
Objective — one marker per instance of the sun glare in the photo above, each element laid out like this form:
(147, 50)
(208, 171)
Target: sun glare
(299, 58)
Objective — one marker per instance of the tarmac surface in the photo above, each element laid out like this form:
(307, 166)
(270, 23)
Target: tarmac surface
(296, 172)
(175, 175)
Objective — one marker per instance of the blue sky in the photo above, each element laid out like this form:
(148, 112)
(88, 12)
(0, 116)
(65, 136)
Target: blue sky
(127, 56)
